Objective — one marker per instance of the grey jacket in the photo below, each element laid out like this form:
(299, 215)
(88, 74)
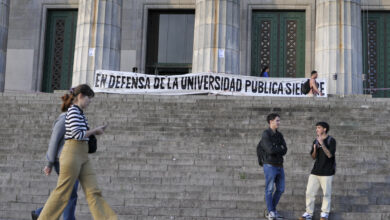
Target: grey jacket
(56, 140)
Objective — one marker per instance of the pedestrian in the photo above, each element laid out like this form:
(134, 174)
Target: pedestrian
(74, 162)
(56, 144)
(265, 72)
(323, 152)
(314, 91)
(274, 148)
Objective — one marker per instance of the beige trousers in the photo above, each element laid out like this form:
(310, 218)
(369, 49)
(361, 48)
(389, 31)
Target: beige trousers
(313, 184)
(74, 164)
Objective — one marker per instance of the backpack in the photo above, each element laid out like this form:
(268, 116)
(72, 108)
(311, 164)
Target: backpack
(306, 87)
(260, 153)
(329, 139)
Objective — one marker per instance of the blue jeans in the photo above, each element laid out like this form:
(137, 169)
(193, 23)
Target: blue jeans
(71, 207)
(273, 176)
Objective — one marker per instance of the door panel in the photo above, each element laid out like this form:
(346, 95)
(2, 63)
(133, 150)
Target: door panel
(59, 50)
(292, 49)
(278, 41)
(264, 50)
(376, 53)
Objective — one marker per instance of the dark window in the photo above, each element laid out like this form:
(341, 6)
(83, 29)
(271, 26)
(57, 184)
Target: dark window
(170, 39)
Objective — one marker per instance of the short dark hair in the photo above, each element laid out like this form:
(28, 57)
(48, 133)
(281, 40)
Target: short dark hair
(272, 116)
(313, 72)
(324, 125)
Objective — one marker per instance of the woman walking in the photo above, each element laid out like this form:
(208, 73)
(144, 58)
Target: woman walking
(56, 144)
(74, 162)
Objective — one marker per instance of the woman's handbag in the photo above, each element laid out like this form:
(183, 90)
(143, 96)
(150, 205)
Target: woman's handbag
(92, 144)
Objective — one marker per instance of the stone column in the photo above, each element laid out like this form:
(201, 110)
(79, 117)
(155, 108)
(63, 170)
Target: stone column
(338, 47)
(216, 36)
(4, 18)
(98, 39)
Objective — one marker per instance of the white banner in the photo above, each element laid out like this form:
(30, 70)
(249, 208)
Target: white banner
(199, 83)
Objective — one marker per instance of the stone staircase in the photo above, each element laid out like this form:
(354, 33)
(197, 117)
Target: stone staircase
(194, 157)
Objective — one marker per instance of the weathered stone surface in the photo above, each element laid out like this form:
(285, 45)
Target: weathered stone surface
(338, 46)
(98, 39)
(193, 157)
(216, 36)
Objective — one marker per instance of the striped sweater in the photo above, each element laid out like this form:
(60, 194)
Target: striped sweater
(76, 124)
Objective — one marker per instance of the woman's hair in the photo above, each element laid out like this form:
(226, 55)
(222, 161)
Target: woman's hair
(68, 98)
(263, 70)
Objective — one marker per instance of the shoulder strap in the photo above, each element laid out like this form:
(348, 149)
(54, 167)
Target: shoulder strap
(329, 139)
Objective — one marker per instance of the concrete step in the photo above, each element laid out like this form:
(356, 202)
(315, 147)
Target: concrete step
(193, 157)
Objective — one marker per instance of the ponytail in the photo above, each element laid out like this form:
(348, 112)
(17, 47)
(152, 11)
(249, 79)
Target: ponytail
(67, 101)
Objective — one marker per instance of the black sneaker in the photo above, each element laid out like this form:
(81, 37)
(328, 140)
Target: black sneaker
(34, 216)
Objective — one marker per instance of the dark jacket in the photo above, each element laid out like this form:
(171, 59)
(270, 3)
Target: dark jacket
(274, 147)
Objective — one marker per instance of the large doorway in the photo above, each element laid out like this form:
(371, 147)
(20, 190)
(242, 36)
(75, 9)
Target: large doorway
(376, 53)
(170, 41)
(278, 41)
(59, 50)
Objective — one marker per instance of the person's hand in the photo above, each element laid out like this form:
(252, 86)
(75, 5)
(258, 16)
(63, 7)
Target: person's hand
(99, 130)
(321, 94)
(320, 141)
(47, 170)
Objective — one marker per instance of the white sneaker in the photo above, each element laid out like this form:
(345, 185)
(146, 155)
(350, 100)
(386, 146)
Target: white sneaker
(278, 215)
(306, 216)
(324, 215)
(271, 216)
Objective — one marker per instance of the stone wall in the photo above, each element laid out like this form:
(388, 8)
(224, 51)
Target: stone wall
(194, 157)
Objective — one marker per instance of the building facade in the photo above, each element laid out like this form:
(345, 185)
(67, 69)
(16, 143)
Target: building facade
(47, 45)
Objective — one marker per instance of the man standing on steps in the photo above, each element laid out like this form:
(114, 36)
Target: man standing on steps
(314, 90)
(323, 152)
(274, 148)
